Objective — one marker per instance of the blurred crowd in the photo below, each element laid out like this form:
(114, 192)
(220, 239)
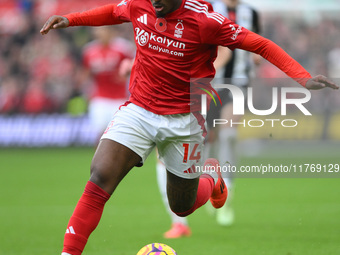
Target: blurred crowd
(41, 74)
(312, 41)
(38, 74)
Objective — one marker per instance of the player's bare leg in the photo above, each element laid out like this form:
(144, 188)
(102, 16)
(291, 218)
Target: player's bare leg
(179, 225)
(181, 192)
(187, 195)
(111, 162)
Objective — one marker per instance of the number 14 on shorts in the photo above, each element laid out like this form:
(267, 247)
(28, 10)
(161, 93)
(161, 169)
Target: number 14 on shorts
(194, 155)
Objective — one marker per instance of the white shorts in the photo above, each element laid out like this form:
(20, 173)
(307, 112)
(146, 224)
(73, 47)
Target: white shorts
(178, 137)
(101, 111)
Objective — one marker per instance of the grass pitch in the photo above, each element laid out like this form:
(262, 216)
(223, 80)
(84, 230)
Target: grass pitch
(39, 189)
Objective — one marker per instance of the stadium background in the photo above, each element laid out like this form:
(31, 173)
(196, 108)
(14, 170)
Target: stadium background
(40, 106)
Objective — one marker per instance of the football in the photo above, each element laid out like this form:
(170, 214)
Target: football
(156, 249)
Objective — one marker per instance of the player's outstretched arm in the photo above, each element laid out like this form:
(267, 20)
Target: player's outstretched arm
(320, 82)
(277, 56)
(100, 16)
(54, 22)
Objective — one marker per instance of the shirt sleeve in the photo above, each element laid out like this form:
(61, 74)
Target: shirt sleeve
(110, 14)
(276, 55)
(219, 30)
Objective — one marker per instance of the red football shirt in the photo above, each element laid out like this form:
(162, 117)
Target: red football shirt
(179, 48)
(103, 62)
(172, 50)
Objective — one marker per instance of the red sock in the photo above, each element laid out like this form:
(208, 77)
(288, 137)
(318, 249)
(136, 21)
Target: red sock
(205, 188)
(85, 218)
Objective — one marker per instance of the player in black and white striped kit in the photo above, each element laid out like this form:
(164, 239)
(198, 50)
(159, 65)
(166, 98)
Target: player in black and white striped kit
(236, 68)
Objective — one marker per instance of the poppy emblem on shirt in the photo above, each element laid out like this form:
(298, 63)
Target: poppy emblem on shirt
(161, 25)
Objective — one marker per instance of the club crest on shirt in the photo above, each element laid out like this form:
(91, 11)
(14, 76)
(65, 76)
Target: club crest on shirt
(179, 29)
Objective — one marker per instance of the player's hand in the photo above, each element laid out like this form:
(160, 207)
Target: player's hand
(54, 22)
(257, 59)
(320, 82)
(125, 67)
